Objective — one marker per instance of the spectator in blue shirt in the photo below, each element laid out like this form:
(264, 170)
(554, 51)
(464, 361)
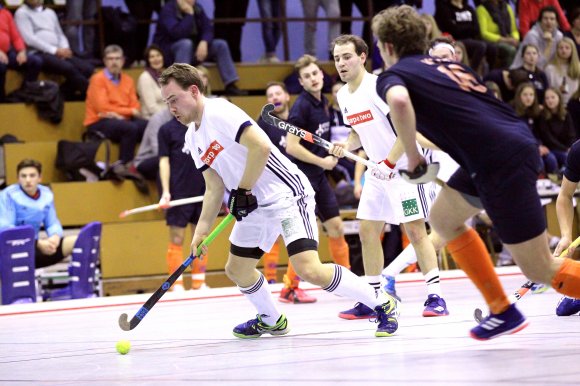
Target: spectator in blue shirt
(29, 203)
(185, 34)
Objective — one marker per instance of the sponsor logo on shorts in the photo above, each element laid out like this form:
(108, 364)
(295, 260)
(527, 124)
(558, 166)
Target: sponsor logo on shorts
(359, 118)
(211, 153)
(410, 207)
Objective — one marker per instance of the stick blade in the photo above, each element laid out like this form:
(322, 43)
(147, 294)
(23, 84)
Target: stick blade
(422, 174)
(124, 322)
(266, 110)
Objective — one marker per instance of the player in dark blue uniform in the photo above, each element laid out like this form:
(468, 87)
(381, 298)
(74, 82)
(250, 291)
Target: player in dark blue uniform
(446, 102)
(278, 95)
(311, 112)
(565, 211)
(179, 179)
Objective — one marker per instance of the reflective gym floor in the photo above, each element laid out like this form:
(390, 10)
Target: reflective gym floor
(186, 339)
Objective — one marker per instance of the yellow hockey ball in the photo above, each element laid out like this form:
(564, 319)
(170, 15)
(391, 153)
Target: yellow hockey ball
(123, 347)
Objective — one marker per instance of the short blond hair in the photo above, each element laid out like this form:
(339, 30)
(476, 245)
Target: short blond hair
(185, 75)
(305, 61)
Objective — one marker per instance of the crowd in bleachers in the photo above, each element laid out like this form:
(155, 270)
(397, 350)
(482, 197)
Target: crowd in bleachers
(527, 53)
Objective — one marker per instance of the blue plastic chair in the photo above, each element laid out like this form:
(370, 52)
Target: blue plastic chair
(17, 265)
(82, 271)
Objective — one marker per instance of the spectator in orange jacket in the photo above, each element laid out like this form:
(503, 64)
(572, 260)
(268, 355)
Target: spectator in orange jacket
(13, 52)
(112, 107)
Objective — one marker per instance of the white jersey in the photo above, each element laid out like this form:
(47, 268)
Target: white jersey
(368, 115)
(215, 144)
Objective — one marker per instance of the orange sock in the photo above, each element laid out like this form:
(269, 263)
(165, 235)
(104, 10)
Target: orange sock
(567, 279)
(174, 259)
(198, 272)
(271, 263)
(339, 251)
(470, 254)
(291, 279)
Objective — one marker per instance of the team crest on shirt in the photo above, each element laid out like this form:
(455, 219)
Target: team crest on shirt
(359, 118)
(211, 153)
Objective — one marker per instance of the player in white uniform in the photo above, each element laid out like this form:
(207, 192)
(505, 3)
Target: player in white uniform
(269, 196)
(393, 201)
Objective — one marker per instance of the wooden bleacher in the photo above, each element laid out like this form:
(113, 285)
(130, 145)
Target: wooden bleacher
(133, 249)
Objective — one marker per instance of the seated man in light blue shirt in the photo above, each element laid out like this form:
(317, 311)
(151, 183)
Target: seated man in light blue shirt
(29, 203)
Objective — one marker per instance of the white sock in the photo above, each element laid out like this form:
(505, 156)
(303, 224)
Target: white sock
(345, 283)
(433, 283)
(260, 296)
(405, 259)
(375, 282)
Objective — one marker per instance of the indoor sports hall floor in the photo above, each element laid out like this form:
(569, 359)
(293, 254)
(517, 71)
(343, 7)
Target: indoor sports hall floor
(187, 340)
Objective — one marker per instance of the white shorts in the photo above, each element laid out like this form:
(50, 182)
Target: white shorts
(291, 217)
(394, 201)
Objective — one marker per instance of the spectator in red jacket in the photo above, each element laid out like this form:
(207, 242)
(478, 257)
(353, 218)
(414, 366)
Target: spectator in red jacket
(13, 52)
(529, 11)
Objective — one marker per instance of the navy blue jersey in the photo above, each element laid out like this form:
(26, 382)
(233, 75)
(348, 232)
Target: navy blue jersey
(572, 170)
(312, 115)
(458, 114)
(185, 180)
(276, 135)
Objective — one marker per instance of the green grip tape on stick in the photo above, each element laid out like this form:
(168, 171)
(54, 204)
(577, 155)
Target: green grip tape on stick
(217, 230)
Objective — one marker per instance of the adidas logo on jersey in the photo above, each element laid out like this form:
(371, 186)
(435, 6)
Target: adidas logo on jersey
(345, 111)
(199, 151)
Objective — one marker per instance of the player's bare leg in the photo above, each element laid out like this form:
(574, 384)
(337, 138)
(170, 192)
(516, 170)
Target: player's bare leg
(198, 268)
(175, 254)
(68, 244)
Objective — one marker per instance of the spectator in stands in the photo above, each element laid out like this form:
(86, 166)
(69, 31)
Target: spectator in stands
(563, 71)
(554, 126)
(148, 88)
(433, 31)
(43, 36)
(78, 11)
(544, 35)
(180, 178)
(231, 32)
(142, 10)
(494, 88)
(311, 112)
(497, 25)
(529, 12)
(271, 30)
(310, 8)
(363, 8)
(204, 73)
(529, 71)
(574, 110)
(574, 32)
(461, 54)
(13, 52)
(528, 109)
(182, 28)
(458, 18)
(112, 106)
(30, 203)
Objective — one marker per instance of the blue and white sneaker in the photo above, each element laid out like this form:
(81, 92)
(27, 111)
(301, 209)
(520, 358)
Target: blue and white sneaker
(508, 322)
(359, 311)
(539, 288)
(255, 328)
(568, 306)
(387, 318)
(389, 286)
(435, 306)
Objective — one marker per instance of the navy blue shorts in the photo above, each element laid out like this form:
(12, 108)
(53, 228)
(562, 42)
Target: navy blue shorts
(180, 216)
(509, 196)
(326, 204)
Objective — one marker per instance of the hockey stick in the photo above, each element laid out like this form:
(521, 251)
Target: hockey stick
(123, 319)
(524, 289)
(182, 201)
(422, 174)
